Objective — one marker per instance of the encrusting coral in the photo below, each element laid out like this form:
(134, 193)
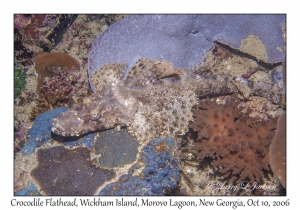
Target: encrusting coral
(238, 144)
(117, 148)
(184, 39)
(160, 172)
(68, 172)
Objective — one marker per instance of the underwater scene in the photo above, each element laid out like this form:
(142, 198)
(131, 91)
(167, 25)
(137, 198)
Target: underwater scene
(178, 105)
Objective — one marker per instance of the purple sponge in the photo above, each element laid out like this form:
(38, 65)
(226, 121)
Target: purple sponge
(182, 39)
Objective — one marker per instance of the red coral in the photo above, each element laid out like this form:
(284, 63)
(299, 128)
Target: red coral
(238, 144)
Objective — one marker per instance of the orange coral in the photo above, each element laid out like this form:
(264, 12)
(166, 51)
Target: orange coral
(238, 144)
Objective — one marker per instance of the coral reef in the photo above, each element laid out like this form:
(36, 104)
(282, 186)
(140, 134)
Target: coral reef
(30, 32)
(45, 63)
(277, 154)
(117, 148)
(68, 172)
(238, 144)
(34, 26)
(151, 99)
(276, 76)
(64, 88)
(184, 39)
(41, 132)
(148, 105)
(154, 100)
(39, 32)
(76, 43)
(160, 172)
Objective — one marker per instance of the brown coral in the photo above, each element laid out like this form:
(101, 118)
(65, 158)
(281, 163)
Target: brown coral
(45, 63)
(238, 144)
(65, 88)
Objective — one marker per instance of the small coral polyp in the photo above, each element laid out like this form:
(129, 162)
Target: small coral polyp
(238, 144)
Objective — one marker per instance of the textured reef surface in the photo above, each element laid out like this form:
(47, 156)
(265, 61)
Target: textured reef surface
(182, 39)
(238, 144)
(41, 132)
(161, 171)
(117, 148)
(70, 168)
(178, 104)
(154, 100)
(68, 172)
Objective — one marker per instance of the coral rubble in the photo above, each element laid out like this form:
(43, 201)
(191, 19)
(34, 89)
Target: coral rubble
(277, 153)
(238, 144)
(68, 172)
(160, 172)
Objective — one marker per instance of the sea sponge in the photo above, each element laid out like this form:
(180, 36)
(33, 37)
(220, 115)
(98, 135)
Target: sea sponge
(161, 172)
(117, 148)
(238, 144)
(184, 39)
(277, 153)
(68, 172)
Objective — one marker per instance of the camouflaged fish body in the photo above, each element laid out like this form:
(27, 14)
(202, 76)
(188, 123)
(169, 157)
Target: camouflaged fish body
(154, 100)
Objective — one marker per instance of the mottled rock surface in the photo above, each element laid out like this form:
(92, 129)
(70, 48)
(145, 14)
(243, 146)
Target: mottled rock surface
(68, 172)
(117, 148)
(160, 172)
(40, 131)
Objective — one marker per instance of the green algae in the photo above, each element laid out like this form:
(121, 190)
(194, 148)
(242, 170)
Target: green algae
(19, 79)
